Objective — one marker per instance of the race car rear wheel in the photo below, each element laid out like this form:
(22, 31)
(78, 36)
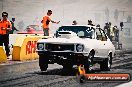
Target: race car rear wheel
(106, 64)
(43, 62)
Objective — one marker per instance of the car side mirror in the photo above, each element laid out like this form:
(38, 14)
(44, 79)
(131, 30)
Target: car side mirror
(91, 37)
(54, 35)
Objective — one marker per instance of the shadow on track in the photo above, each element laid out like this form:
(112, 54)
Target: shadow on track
(62, 72)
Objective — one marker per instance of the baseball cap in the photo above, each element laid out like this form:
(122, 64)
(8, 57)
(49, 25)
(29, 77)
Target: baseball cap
(5, 14)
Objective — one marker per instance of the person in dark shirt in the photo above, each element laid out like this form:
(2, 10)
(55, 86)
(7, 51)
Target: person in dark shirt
(116, 33)
(106, 28)
(90, 23)
(13, 27)
(74, 22)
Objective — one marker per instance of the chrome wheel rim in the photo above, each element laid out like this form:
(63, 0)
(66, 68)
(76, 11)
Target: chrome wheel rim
(109, 65)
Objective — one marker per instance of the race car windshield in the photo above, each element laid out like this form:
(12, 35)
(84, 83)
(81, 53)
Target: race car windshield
(81, 31)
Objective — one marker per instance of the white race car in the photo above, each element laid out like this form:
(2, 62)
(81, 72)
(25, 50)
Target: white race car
(75, 45)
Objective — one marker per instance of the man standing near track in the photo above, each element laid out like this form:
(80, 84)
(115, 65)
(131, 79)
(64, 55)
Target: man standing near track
(45, 23)
(5, 27)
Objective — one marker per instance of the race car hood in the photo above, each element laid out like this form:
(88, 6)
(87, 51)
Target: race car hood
(65, 40)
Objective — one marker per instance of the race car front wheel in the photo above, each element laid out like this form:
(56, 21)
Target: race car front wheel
(67, 65)
(43, 62)
(88, 63)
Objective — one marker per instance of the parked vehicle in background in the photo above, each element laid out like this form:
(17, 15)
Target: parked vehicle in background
(32, 29)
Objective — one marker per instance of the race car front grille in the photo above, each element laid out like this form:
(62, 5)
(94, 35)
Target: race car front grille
(59, 47)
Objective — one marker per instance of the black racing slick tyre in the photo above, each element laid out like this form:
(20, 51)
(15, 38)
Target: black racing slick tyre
(43, 62)
(67, 67)
(89, 62)
(106, 64)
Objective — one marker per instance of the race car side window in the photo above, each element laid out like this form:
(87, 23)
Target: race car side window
(98, 33)
(104, 38)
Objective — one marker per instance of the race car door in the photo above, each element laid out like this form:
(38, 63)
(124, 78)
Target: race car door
(105, 44)
(100, 44)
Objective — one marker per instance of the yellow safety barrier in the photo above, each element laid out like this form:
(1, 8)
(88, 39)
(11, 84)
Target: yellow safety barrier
(3, 57)
(24, 48)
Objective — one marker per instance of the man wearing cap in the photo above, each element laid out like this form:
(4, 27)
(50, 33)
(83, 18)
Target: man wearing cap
(5, 27)
(46, 20)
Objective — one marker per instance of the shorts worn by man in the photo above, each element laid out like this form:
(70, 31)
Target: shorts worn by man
(46, 20)
(5, 27)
